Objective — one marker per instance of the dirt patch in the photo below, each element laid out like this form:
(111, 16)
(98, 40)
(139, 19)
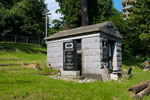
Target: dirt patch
(33, 66)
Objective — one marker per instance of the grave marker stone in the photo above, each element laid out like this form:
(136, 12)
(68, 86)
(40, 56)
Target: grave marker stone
(70, 56)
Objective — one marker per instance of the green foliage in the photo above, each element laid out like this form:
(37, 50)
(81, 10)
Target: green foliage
(139, 58)
(99, 11)
(23, 17)
(57, 26)
(144, 36)
(117, 19)
(138, 37)
(71, 11)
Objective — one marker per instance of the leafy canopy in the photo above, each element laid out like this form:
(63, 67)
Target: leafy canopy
(139, 26)
(99, 11)
(22, 17)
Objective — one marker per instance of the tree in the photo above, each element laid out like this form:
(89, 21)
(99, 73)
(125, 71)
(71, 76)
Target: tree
(57, 26)
(84, 13)
(98, 11)
(71, 11)
(118, 20)
(139, 23)
(22, 17)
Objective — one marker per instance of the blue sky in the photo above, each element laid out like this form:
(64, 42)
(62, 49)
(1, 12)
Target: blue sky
(52, 6)
(117, 4)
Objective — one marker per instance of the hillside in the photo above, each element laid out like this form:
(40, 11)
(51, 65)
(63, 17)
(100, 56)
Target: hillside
(25, 52)
(20, 83)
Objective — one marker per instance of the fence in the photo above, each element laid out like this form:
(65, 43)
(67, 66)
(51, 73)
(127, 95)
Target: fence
(22, 39)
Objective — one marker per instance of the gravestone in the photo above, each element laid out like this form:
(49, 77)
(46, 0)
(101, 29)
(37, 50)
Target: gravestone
(105, 74)
(129, 72)
(70, 56)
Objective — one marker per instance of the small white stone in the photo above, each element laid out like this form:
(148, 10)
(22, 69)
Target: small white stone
(114, 77)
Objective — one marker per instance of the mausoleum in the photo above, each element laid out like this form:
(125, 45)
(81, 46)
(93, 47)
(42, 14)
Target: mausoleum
(86, 50)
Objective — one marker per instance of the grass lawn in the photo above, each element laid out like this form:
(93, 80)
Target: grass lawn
(15, 85)
(25, 52)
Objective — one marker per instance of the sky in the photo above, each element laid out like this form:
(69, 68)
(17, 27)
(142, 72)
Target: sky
(52, 6)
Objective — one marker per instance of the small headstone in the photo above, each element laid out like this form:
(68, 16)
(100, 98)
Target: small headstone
(105, 74)
(129, 70)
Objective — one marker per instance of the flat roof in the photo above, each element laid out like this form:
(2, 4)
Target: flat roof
(106, 27)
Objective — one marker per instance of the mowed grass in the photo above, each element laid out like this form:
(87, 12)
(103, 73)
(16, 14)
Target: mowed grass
(25, 52)
(16, 86)
(22, 85)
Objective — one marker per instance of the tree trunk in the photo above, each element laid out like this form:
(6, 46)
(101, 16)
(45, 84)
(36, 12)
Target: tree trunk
(141, 94)
(84, 13)
(139, 87)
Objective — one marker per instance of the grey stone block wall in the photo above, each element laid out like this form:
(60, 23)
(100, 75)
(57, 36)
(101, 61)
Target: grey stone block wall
(55, 54)
(117, 54)
(119, 57)
(91, 55)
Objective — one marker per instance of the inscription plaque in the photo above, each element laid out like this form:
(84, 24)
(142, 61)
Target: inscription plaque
(70, 53)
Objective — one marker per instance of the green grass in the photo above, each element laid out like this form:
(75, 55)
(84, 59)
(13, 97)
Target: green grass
(26, 52)
(40, 87)
(17, 85)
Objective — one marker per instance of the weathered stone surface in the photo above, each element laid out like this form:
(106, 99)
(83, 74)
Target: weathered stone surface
(55, 54)
(92, 71)
(91, 55)
(70, 73)
(92, 52)
(91, 40)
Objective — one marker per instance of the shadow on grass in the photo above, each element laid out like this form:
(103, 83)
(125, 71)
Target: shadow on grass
(132, 62)
(17, 47)
(18, 82)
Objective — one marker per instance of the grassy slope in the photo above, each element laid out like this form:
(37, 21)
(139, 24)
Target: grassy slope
(22, 51)
(15, 86)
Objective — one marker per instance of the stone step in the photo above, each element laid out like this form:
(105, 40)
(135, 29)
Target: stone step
(10, 69)
(33, 74)
(10, 59)
(9, 64)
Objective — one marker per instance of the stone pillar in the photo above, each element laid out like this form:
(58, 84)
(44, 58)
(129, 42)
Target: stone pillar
(115, 67)
(117, 58)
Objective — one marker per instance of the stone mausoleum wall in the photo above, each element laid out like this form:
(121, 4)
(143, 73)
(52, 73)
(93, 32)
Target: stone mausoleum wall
(91, 55)
(55, 54)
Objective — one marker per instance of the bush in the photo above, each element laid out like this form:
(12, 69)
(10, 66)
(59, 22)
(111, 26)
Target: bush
(140, 58)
